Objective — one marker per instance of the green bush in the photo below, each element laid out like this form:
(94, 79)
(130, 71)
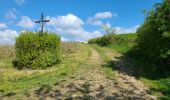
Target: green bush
(37, 52)
(153, 40)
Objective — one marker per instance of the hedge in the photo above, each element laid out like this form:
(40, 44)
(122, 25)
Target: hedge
(37, 52)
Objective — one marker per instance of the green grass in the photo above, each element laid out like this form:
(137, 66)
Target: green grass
(156, 77)
(159, 87)
(121, 49)
(107, 67)
(21, 81)
(119, 42)
(74, 56)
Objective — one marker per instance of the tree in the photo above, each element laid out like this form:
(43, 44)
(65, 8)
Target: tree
(108, 29)
(153, 41)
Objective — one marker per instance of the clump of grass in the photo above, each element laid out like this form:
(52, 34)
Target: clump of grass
(69, 47)
(7, 55)
(7, 51)
(107, 66)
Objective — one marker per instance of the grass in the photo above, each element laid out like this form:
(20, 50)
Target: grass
(107, 67)
(125, 43)
(118, 42)
(121, 49)
(14, 81)
(157, 78)
(153, 76)
(19, 82)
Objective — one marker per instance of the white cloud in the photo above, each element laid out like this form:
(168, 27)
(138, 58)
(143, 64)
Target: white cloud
(3, 25)
(26, 22)
(76, 34)
(20, 2)
(96, 19)
(8, 36)
(68, 21)
(70, 27)
(103, 15)
(11, 14)
(120, 30)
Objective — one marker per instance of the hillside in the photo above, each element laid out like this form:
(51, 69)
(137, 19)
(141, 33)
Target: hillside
(119, 42)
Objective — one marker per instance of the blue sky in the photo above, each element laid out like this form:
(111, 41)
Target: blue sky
(75, 20)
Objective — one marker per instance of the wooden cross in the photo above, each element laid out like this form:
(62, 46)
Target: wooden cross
(42, 21)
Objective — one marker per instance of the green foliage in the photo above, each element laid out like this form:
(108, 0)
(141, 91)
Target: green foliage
(121, 42)
(103, 41)
(153, 40)
(37, 52)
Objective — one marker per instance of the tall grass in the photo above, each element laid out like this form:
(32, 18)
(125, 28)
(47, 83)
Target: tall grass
(69, 47)
(7, 51)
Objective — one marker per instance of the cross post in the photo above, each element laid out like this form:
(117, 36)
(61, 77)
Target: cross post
(42, 21)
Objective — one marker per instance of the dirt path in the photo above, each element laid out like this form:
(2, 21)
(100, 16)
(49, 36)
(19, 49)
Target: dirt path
(90, 83)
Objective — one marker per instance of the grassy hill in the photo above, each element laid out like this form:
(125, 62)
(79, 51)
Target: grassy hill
(118, 42)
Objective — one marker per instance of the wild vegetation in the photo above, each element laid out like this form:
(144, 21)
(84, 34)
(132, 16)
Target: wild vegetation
(153, 37)
(147, 53)
(120, 42)
(34, 51)
(152, 46)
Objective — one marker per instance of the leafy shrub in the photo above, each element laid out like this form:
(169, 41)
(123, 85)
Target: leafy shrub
(37, 52)
(153, 40)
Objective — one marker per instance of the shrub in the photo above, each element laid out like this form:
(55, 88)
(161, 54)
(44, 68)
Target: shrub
(154, 35)
(37, 52)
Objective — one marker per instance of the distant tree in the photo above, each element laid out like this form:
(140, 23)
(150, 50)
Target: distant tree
(108, 29)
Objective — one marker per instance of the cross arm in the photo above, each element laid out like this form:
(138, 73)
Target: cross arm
(37, 21)
(46, 21)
